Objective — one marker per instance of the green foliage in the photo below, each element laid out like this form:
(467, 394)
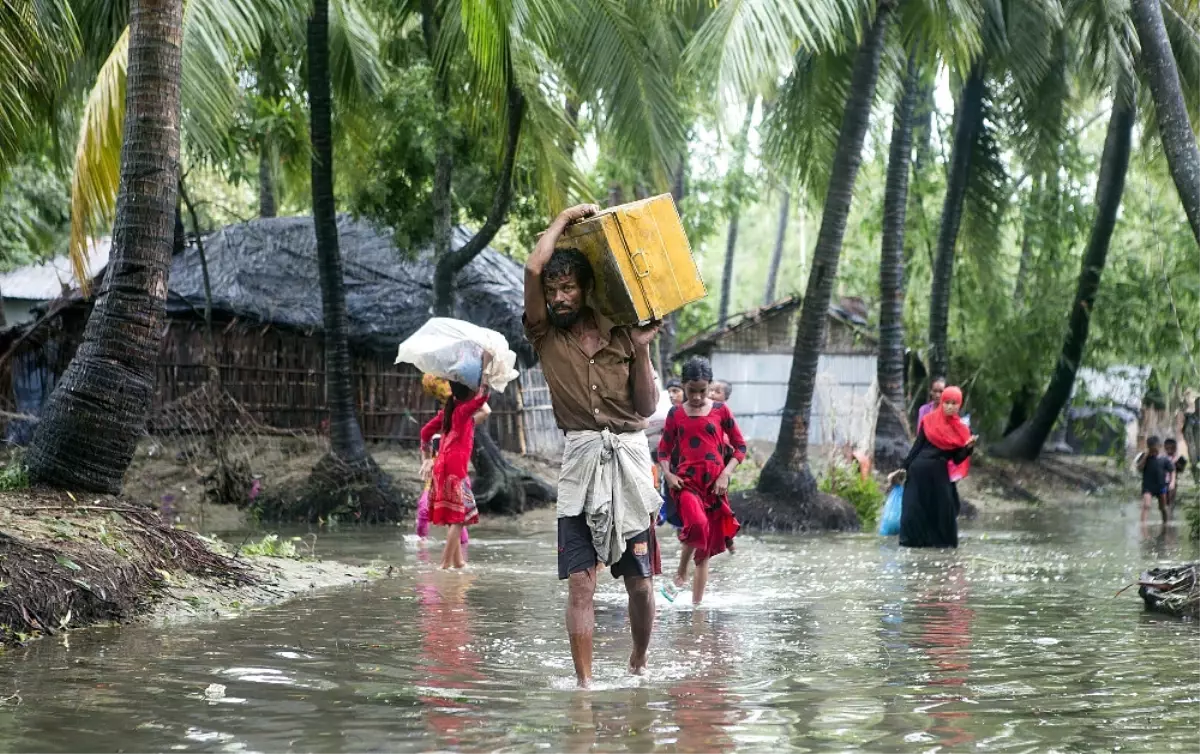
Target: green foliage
(34, 213)
(845, 482)
(273, 546)
(1191, 512)
(13, 475)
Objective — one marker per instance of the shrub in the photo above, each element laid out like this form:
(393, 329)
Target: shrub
(845, 482)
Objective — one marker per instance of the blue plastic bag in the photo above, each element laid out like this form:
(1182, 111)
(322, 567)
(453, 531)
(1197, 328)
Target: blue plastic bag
(889, 519)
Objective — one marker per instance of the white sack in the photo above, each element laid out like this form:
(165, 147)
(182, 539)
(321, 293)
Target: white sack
(453, 349)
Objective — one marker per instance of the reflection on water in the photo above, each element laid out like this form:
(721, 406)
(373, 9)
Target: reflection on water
(823, 643)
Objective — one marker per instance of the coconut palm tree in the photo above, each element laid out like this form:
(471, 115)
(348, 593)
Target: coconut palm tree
(95, 416)
(1017, 52)
(608, 54)
(1109, 66)
(1174, 126)
(786, 473)
(1027, 441)
(891, 428)
(217, 35)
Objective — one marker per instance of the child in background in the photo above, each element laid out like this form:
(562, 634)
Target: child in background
(1157, 473)
(699, 480)
(720, 391)
(675, 391)
(451, 501)
(439, 389)
(1179, 463)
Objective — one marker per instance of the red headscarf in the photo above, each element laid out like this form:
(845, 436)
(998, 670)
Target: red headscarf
(947, 432)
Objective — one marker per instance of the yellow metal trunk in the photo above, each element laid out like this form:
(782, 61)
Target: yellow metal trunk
(642, 260)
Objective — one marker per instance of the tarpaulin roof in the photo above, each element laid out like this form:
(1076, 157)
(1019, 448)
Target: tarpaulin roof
(267, 270)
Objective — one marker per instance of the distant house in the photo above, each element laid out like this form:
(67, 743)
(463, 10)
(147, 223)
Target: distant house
(266, 304)
(754, 354)
(34, 285)
(1105, 412)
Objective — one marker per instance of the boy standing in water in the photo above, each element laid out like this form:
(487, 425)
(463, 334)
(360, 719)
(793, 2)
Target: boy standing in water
(1178, 464)
(1157, 473)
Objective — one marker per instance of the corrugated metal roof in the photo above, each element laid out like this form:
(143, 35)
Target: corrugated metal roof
(784, 307)
(44, 281)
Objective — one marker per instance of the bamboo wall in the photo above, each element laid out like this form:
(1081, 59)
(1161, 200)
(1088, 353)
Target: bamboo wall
(277, 375)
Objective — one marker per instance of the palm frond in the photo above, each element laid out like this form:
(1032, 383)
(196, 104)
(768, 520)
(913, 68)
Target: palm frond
(947, 29)
(97, 171)
(801, 132)
(607, 57)
(217, 34)
(745, 44)
(987, 196)
(354, 63)
(1039, 116)
(38, 40)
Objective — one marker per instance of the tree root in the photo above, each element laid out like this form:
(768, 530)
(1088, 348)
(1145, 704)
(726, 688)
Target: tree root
(115, 561)
(361, 492)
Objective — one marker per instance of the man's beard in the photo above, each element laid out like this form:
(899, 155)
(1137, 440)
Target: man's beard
(565, 320)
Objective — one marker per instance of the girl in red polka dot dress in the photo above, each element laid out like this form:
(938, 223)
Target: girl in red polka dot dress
(691, 455)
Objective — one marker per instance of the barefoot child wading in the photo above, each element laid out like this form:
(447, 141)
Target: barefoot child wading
(438, 388)
(451, 501)
(1157, 473)
(694, 436)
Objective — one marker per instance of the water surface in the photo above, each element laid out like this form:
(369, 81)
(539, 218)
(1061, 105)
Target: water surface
(815, 643)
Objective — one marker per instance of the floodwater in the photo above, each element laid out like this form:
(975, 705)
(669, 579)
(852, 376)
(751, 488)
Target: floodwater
(835, 642)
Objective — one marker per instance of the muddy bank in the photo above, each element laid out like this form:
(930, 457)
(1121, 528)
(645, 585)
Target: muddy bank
(1052, 477)
(67, 562)
(171, 476)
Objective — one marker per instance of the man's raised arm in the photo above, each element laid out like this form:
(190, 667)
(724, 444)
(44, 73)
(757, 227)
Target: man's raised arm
(535, 301)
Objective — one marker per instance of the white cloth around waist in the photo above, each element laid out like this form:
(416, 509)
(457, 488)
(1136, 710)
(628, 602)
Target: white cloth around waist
(608, 476)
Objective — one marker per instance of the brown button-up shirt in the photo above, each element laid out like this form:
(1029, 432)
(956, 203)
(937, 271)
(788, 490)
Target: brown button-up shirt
(588, 392)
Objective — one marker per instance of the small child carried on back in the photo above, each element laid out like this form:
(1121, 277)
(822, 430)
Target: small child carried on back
(1158, 471)
(692, 457)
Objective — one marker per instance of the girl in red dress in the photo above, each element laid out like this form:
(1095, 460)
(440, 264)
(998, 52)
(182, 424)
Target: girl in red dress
(691, 456)
(451, 502)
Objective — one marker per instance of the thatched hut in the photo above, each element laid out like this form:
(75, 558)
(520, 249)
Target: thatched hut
(268, 344)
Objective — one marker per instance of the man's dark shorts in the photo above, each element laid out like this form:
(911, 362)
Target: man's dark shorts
(576, 553)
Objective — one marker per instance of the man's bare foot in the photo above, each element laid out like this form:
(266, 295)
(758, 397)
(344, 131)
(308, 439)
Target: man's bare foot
(637, 666)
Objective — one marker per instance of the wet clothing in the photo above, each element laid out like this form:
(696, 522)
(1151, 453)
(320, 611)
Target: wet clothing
(588, 392)
(696, 448)
(577, 553)
(605, 484)
(606, 477)
(1156, 473)
(451, 500)
(929, 514)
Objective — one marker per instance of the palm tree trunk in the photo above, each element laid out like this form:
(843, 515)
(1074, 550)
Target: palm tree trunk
(785, 206)
(891, 427)
(786, 473)
(1162, 75)
(737, 181)
(96, 414)
(268, 89)
(449, 265)
(923, 124)
(345, 436)
(1027, 441)
(443, 165)
(966, 127)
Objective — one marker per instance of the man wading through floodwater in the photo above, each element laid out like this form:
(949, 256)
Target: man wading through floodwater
(602, 387)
